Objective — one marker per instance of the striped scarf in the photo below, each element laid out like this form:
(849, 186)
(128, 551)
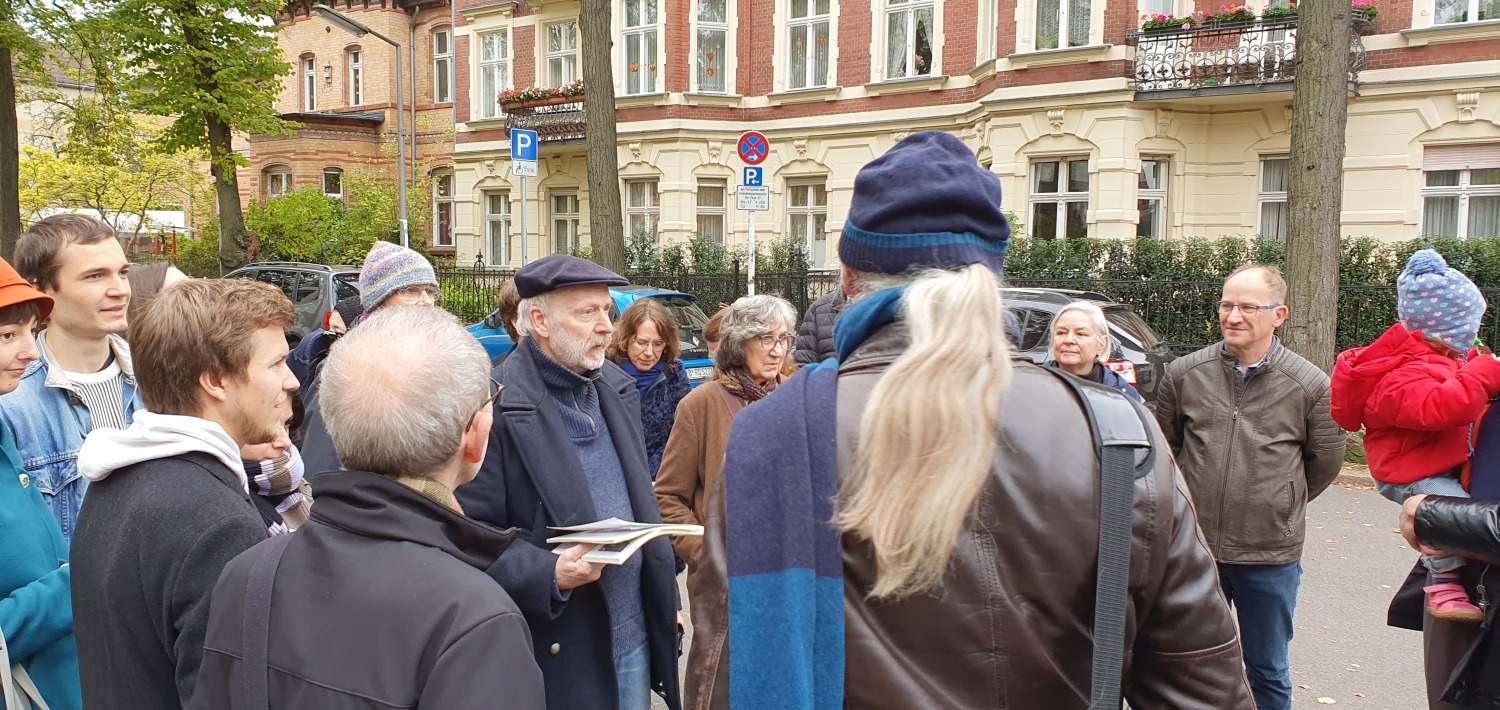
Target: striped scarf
(280, 480)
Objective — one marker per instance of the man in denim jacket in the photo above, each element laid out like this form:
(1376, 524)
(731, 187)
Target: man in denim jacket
(84, 378)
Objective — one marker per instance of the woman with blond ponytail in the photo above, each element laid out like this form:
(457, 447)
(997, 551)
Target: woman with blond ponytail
(916, 525)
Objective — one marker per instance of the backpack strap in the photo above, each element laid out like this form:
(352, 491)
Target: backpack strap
(256, 625)
(1122, 442)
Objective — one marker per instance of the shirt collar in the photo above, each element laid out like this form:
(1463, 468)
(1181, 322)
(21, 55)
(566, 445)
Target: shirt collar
(1248, 371)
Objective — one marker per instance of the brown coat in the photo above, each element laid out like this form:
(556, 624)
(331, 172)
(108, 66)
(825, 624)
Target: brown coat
(692, 464)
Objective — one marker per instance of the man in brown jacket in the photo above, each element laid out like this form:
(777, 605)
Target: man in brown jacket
(1249, 422)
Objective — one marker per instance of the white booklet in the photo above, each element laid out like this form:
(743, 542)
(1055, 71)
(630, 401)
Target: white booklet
(616, 539)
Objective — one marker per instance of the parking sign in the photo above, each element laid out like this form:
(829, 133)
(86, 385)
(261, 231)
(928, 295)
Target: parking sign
(523, 153)
(753, 177)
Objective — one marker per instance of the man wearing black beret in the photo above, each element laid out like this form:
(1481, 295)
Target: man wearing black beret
(566, 448)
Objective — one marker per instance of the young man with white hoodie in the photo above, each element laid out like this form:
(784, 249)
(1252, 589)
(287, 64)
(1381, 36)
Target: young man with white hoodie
(168, 502)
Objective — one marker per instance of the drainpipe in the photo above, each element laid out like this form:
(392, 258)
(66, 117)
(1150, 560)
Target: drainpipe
(411, 45)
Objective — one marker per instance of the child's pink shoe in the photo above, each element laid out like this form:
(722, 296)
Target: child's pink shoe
(1451, 603)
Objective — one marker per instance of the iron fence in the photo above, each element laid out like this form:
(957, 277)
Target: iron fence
(1251, 53)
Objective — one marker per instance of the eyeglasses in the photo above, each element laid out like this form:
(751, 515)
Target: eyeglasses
(1248, 310)
(655, 345)
(495, 389)
(769, 342)
(412, 293)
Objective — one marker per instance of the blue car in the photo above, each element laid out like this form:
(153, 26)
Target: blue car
(682, 306)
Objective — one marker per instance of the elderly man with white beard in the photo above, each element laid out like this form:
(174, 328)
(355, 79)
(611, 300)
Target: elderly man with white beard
(567, 448)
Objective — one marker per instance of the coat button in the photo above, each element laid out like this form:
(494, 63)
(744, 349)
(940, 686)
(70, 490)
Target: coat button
(556, 648)
(25, 480)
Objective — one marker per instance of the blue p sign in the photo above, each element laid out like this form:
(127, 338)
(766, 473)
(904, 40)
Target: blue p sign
(753, 177)
(523, 145)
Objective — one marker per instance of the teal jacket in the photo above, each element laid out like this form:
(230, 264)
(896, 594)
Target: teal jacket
(36, 601)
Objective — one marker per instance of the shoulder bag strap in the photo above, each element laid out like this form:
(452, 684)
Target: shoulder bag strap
(255, 670)
(17, 691)
(732, 402)
(1123, 445)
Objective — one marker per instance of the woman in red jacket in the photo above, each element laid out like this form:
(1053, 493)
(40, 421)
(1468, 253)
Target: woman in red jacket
(1418, 390)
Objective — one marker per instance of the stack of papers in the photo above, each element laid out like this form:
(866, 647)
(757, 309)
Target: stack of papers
(616, 539)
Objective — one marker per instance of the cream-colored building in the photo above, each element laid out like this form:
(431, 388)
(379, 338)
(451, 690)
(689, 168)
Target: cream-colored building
(1114, 134)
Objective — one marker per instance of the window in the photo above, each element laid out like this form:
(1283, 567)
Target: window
(713, 36)
(278, 181)
(711, 209)
(497, 227)
(1272, 209)
(562, 53)
(442, 66)
(356, 77)
(1453, 11)
(442, 207)
(641, 208)
(309, 84)
(807, 44)
(640, 46)
(1461, 203)
(333, 182)
(908, 38)
(494, 71)
(565, 222)
(1062, 23)
(807, 212)
(1060, 198)
(1151, 199)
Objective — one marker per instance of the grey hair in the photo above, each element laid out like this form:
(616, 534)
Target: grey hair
(1096, 318)
(747, 318)
(523, 311)
(399, 391)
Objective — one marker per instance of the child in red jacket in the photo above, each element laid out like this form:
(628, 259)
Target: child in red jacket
(1418, 390)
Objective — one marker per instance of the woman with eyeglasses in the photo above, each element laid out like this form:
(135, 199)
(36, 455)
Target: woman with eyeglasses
(646, 345)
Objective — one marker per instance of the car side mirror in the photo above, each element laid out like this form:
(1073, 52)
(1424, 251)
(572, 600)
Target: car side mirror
(492, 321)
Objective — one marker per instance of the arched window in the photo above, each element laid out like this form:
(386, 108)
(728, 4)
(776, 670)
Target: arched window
(333, 182)
(442, 208)
(442, 65)
(277, 180)
(309, 65)
(356, 62)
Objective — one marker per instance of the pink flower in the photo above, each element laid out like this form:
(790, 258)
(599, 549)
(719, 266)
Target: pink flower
(1186, 26)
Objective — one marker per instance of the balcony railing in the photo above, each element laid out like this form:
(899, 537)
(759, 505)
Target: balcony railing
(552, 119)
(1259, 55)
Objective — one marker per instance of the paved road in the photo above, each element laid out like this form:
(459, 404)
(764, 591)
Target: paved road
(1343, 650)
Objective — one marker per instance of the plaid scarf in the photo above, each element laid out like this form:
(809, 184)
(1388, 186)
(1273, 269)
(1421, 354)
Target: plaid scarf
(740, 384)
(280, 480)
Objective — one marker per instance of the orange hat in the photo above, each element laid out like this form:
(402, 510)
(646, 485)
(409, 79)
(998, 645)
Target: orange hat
(14, 289)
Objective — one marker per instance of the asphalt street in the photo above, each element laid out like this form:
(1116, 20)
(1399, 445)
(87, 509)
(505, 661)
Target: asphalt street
(1343, 651)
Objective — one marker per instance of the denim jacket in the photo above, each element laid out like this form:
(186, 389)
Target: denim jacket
(50, 422)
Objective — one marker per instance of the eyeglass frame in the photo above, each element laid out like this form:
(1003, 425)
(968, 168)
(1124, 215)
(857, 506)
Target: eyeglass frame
(789, 340)
(1247, 311)
(488, 401)
(656, 345)
(418, 290)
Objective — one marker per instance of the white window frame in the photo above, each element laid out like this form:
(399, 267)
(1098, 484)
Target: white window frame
(645, 38)
(721, 212)
(934, 34)
(1062, 198)
(356, 77)
(570, 220)
(494, 72)
(989, 31)
(1064, 15)
(1464, 190)
(567, 57)
(442, 66)
(649, 213)
(1157, 194)
(442, 203)
(1264, 197)
(309, 84)
(809, 23)
(809, 213)
(338, 173)
(497, 224)
(724, 55)
(1471, 14)
(278, 181)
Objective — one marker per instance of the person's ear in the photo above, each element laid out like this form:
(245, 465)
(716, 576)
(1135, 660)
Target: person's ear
(540, 326)
(213, 386)
(477, 438)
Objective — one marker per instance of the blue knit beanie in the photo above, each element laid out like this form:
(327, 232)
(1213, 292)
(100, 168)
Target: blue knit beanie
(925, 203)
(389, 268)
(1439, 301)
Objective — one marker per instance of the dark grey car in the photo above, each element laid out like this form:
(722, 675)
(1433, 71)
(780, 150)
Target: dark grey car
(312, 288)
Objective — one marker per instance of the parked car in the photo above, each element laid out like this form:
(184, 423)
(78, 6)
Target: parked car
(682, 306)
(1137, 352)
(313, 289)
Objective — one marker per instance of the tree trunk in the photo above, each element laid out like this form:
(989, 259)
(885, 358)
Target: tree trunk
(236, 244)
(1320, 113)
(606, 223)
(10, 159)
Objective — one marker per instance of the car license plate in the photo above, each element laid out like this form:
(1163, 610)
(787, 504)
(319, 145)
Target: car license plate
(700, 373)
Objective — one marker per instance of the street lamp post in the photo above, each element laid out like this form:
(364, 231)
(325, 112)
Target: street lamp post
(358, 29)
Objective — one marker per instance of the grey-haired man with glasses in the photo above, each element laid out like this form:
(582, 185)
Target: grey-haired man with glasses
(1248, 420)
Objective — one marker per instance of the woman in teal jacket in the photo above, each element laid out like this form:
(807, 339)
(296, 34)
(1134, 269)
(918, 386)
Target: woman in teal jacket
(36, 601)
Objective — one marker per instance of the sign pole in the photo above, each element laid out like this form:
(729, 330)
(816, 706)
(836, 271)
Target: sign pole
(523, 220)
(753, 195)
(523, 157)
(752, 253)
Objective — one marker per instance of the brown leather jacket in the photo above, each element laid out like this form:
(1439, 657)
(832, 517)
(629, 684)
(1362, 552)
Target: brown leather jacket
(1010, 628)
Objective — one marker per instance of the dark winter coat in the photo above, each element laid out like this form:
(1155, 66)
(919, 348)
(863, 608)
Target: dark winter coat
(150, 543)
(380, 602)
(1108, 378)
(659, 411)
(532, 480)
(815, 336)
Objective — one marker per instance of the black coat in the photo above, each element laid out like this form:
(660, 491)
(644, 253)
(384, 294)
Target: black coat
(531, 479)
(815, 336)
(380, 601)
(150, 543)
(659, 411)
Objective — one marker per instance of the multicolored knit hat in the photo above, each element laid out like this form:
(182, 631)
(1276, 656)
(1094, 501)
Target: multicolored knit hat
(389, 268)
(1439, 301)
(925, 203)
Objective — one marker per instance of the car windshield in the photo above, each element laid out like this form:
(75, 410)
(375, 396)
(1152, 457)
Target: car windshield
(346, 285)
(690, 323)
(1132, 327)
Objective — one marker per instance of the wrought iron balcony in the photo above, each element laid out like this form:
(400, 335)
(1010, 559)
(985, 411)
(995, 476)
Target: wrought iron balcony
(557, 119)
(1237, 57)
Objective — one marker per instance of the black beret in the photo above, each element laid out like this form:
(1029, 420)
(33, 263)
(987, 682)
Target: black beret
(561, 271)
